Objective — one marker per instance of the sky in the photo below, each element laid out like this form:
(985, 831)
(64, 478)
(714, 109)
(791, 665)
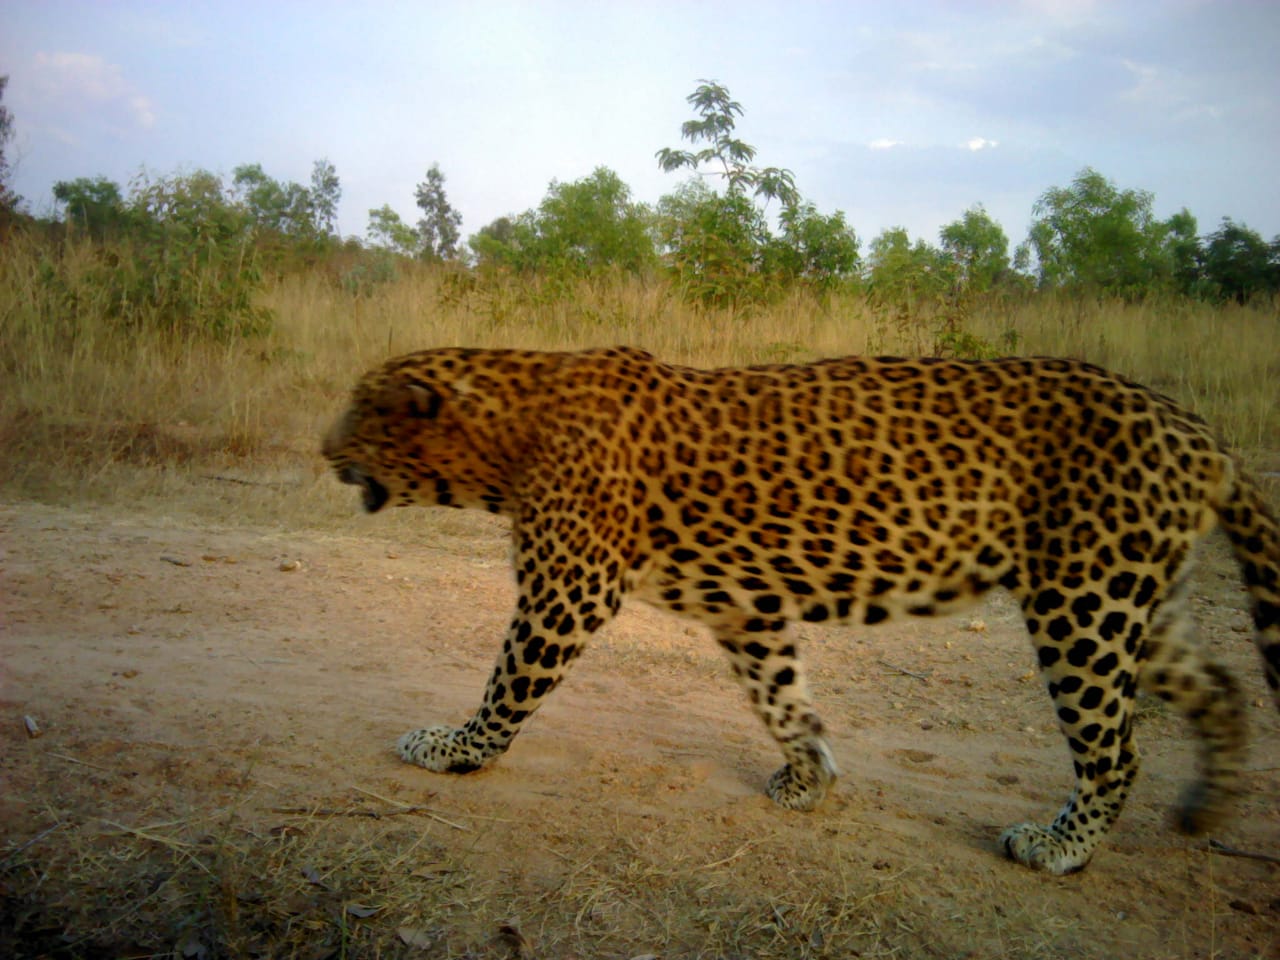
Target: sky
(901, 113)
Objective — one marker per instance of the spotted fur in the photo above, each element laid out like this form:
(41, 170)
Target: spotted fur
(851, 489)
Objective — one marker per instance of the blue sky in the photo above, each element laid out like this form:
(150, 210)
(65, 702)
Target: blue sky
(898, 113)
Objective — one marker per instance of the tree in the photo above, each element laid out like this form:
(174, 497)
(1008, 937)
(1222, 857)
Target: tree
(326, 191)
(715, 128)
(8, 199)
(900, 271)
(593, 224)
(1184, 252)
(498, 243)
(720, 246)
(1092, 236)
(93, 205)
(388, 231)
(194, 264)
(815, 249)
(580, 228)
(282, 208)
(717, 245)
(1238, 263)
(978, 247)
(438, 228)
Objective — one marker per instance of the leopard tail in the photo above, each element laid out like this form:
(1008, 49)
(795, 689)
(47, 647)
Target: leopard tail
(1255, 540)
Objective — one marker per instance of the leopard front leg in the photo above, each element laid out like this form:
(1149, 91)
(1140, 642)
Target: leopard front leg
(766, 664)
(535, 656)
(569, 582)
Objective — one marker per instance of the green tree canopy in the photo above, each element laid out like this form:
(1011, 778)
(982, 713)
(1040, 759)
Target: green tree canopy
(720, 246)
(1184, 252)
(326, 191)
(1094, 237)
(193, 263)
(8, 200)
(1238, 263)
(278, 207)
(582, 227)
(94, 205)
(593, 223)
(978, 247)
(899, 270)
(714, 127)
(716, 244)
(501, 242)
(438, 227)
(387, 231)
(816, 249)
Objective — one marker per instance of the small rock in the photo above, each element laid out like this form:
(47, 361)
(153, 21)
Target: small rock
(288, 566)
(919, 756)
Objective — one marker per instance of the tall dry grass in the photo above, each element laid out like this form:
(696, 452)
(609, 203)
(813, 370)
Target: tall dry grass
(89, 410)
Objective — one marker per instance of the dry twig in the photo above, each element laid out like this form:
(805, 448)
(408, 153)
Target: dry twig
(1216, 846)
(922, 677)
(83, 763)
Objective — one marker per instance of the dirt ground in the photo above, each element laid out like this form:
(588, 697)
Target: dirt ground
(213, 773)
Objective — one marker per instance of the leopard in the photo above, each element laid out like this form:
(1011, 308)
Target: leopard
(756, 499)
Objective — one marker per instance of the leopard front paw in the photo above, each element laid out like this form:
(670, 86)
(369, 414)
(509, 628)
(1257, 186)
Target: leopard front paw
(1202, 809)
(801, 788)
(802, 783)
(440, 749)
(1044, 848)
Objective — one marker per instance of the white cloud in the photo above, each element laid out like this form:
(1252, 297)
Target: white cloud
(884, 143)
(1063, 12)
(981, 143)
(81, 80)
(1165, 92)
(143, 112)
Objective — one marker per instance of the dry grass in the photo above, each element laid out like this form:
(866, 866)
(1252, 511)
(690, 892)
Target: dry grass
(368, 877)
(92, 412)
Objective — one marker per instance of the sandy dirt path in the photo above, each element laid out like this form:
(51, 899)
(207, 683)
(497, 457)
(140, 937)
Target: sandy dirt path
(176, 673)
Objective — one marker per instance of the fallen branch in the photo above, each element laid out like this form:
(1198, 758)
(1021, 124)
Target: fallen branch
(13, 855)
(371, 814)
(1217, 847)
(247, 483)
(400, 809)
(423, 811)
(180, 846)
(741, 851)
(83, 763)
(325, 812)
(922, 677)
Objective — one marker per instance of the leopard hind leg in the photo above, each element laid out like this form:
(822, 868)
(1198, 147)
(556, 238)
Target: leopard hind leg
(1088, 662)
(765, 661)
(1176, 669)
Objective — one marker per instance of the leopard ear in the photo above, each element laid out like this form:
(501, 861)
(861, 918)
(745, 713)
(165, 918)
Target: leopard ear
(421, 402)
